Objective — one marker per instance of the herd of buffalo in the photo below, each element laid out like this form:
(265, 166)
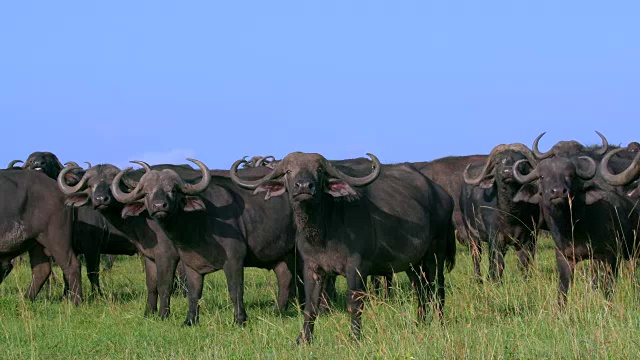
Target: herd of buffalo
(321, 218)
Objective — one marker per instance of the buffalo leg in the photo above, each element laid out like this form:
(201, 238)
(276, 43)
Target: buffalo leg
(497, 251)
(565, 270)
(165, 269)
(328, 293)
(5, 268)
(313, 286)
(71, 270)
(475, 247)
(603, 274)
(382, 285)
(418, 282)
(151, 274)
(108, 262)
(93, 271)
(284, 277)
(234, 272)
(355, 298)
(180, 283)
(526, 254)
(40, 271)
(195, 282)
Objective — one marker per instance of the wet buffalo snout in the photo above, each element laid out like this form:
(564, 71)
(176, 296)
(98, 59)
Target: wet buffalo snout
(103, 199)
(558, 192)
(304, 186)
(159, 205)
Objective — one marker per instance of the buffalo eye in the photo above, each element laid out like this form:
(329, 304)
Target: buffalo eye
(288, 171)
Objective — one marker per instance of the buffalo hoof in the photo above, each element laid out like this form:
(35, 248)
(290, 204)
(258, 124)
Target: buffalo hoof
(163, 316)
(190, 322)
(149, 312)
(301, 340)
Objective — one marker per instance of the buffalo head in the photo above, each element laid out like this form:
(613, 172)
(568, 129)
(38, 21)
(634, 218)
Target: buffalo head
(306, 176)
(43, 161)
(559, 178)
(565, 148)
(499, 164)
(160, 192)
(257, 161)
(90, 186)
(628, 176)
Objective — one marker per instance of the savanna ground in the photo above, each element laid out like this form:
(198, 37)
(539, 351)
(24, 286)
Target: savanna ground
(516, 319)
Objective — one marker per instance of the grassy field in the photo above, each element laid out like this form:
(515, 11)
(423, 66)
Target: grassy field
(515, 319)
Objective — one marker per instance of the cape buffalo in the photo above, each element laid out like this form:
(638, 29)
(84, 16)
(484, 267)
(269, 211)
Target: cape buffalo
(92, 235)
(394, 219)
(34, 218)
(491, 215)
(160, 256)
(586, 222)
(215, 225)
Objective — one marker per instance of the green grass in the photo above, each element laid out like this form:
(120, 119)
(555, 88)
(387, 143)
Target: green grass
(515, 319)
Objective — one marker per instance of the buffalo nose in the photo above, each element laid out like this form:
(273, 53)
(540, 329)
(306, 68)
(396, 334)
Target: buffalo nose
(160, 205)
(103, 199)
(304, 185)
(558, 192)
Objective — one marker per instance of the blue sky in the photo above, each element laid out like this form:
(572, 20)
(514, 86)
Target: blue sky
(109, 82)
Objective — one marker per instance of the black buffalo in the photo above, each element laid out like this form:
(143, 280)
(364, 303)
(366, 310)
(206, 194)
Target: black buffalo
(585, 220)
(34, 218)
(215, 225)
(92, 235)
(394, 219)
(161, 258)
(491, 215)
(447, 172)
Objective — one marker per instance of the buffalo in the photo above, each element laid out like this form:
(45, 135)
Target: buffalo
(491, 215)
(585, 220)
(91, 234)
(34, 219)
(393, 219)
(215, 225)
(161, 258)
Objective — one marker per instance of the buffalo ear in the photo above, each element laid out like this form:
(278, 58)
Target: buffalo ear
(133, 209)
(527, 193)
(194, 203)
(272, 187)
(72, 179)
(339, 188)
(594, 195)
(487, 182)
(77, 199)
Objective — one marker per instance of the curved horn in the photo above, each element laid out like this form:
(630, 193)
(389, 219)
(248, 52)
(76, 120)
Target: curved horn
(537, 152)
(88, 165)
(605, 144)
(523, 179)
(590, 172)
(12, 163)
(247, 184)
(144, 165)
(353, 180)
(263, 159)
(122, 196)
(62, 184)
(622, 178)
(190, 189)
(71, 163)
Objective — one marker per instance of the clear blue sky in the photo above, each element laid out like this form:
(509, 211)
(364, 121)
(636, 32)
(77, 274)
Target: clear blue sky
(113, 81)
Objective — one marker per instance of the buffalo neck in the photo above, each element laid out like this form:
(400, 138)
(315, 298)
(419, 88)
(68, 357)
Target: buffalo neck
(312, 219)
